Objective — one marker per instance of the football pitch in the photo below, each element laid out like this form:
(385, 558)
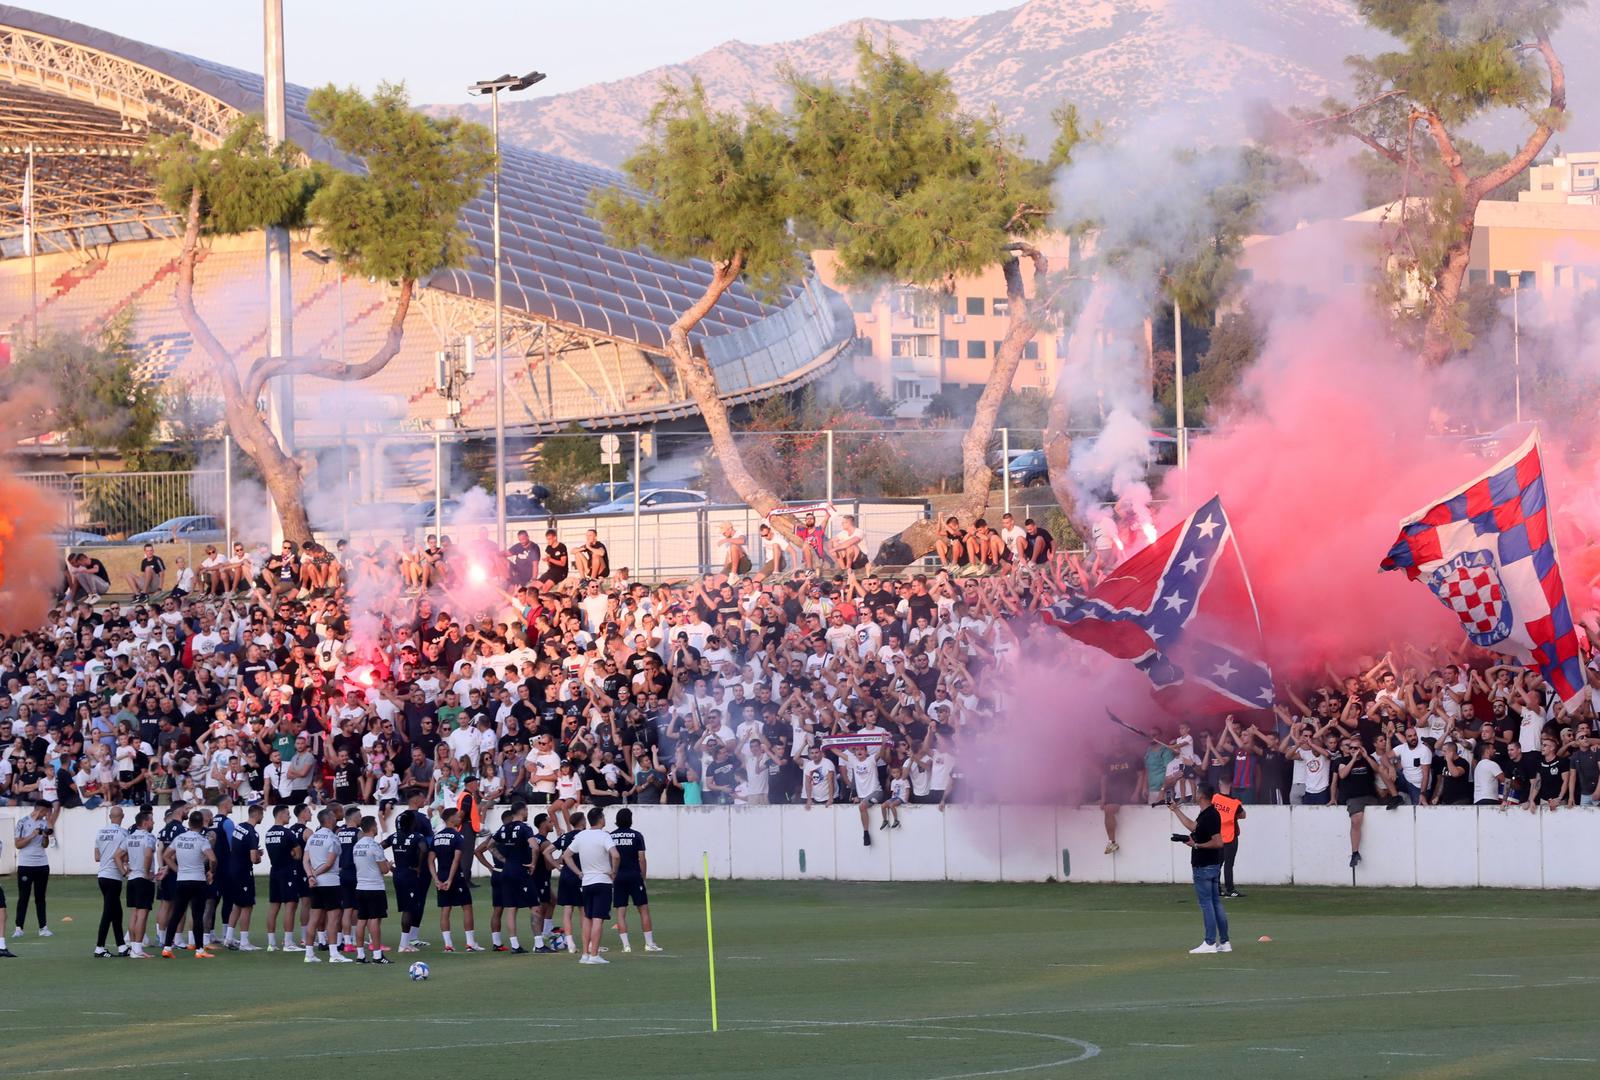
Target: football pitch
(866, 982)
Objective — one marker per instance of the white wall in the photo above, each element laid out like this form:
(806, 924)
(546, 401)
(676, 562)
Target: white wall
(1450, 846)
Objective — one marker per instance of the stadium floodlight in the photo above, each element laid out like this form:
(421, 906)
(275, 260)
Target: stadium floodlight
(492, 87)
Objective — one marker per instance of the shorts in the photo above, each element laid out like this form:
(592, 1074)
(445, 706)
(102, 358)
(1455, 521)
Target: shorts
(538, 892)
(347, 894)
(569, 891)
(241, 891)
(2, 899)
(141, 894)
(372, 903)
(516, 892)
(1315, 798)
(872, 800)
(457, 895)
(167, 889)
(410, 896)
(497, 891)
(283, 889)
(325, 898)
(1361, 803)
(597, 901)
(629, 891)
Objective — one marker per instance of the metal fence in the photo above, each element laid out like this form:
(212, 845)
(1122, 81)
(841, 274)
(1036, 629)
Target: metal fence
(108, 507)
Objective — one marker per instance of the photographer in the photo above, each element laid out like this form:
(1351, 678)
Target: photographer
(1205, 860)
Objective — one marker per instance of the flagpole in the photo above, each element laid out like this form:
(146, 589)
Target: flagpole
(33, 261)
(1233, 538)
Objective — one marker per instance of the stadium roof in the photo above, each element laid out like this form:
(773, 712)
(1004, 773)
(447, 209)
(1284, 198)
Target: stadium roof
(557, 264)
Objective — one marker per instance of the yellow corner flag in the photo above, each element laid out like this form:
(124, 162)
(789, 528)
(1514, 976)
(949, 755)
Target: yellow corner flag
(711, 953)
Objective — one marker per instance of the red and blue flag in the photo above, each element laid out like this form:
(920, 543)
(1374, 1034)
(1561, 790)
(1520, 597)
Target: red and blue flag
(1486, 552)
(1181, 611)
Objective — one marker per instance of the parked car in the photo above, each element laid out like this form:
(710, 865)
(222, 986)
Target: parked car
(519, 507)
(190, 528)
(592, 495)
(1029, 468)
(659, 499)
(76, 538)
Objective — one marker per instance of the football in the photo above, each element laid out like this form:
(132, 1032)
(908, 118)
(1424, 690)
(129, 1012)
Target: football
(418, 971)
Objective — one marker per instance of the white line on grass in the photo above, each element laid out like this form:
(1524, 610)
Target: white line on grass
(1406, 1053)
(1164, 1046)
(1279, 1049)
(1565, 1059)
(1365, 973)
(1489, 975)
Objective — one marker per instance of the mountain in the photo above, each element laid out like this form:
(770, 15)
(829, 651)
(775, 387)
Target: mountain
(1200, 64)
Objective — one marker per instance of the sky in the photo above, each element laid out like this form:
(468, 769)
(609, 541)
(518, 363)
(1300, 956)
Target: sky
(438, 48)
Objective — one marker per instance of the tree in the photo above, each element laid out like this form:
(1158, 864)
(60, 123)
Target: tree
(1457, 61)
(397, 220)
(84, 386)
(907, 186)
(715, 187)
(568, 462)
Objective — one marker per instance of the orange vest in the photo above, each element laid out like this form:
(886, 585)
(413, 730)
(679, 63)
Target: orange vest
(475, 818)
(1227, 808)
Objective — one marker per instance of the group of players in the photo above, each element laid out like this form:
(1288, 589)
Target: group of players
(326, 871)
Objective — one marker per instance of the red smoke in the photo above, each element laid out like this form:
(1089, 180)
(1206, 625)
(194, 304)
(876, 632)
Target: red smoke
(30, 563)
(1328, 448)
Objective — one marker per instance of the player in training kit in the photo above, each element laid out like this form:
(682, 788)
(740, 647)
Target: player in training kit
(191, 861)
(542, 901)
(593, 854)
(219, 828)
(5, 953)
(283, 883)
(321, 861)
(569, 883)
(302, 829)
(166, 880)
(33, 867)
(239, 883)
(449, 863)
(514, 853)
(348, 833)
(372, 898)
(632, 869)
(110, 851)
(408, 850)
(141, 852)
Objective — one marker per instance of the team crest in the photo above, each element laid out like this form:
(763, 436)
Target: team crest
(1469, 585)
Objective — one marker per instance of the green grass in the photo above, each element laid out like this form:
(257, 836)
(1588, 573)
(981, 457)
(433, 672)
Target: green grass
(869, 982)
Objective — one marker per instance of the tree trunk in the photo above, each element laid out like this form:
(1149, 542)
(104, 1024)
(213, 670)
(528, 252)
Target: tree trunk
(697, 378)
(1058, 464)
(1442, 333)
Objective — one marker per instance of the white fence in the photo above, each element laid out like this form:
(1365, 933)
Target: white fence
(1440, 847)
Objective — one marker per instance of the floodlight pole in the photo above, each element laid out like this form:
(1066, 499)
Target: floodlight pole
(492, 87)
(280, 287)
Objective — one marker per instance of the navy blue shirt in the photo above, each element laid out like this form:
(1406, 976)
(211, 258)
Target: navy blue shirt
(513, 840)
(630, 845)
(409, 849)
(280, 844)
(348, 835)
(563, 842)
(446, 843)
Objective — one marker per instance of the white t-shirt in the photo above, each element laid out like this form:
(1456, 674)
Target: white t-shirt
(191, 848)
(547, 762)
(368, 854)
(1412, 760)
(593, 848)
(108, 841)
(1316, 771)
(320, 845)
(1486, 780)
(1531, 730)
(863, 774)
(35, 854)
(1014, 538)
(820, 776)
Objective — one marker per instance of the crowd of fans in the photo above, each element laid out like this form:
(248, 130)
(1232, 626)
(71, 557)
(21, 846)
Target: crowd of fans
(369, 672)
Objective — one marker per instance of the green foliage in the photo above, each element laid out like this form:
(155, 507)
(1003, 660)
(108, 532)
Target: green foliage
(717, 187)
(1385, 181)
(1213, 382)
(86, 388)
(569, 461)
(245, 184)
(400, 218)
(906, 185)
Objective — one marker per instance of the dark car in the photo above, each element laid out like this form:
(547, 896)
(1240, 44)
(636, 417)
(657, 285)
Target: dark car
(1028, 468)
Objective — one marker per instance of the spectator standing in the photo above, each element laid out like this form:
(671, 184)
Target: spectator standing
(1205, 858)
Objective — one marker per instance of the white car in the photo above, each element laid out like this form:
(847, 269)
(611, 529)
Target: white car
(657, 499)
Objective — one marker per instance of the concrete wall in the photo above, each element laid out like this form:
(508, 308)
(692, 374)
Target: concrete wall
(1452, 847)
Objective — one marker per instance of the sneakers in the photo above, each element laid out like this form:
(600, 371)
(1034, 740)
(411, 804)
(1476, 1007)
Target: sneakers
(337, 959)
(270, 947)
(1202, 949)
(45, 931)
(17, 932)
(584, 959)
(895, 824)
(1355, 859)
(7, 954)
(475, 948)
(598, 960)
(405, 948)
(627, 948)
(503, 948)
(201, 954)
(654, 948)
(166, 954)
(382, 960)
(1113, 847)
(1232, 894)
(313, 958)
(1225, 946)
(519, 951)
(232, 946)
(884, 826)
(866, 838)
(101, 954)
(449, 948)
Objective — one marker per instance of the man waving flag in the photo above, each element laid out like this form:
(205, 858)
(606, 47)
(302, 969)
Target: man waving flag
(1181, 610)
(1486, 552)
